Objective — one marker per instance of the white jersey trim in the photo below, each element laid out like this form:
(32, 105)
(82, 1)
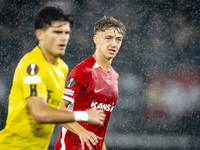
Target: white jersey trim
(64, 131)
(68, 98)
(96, 65)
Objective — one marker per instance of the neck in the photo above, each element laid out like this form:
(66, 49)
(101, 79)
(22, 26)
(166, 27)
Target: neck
(103, 63)
(48, 56)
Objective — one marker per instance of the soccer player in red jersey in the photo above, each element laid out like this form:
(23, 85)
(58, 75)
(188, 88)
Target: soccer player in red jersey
(92, 83)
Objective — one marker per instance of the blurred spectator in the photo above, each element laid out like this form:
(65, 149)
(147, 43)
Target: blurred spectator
(153, 95)
(181, 94)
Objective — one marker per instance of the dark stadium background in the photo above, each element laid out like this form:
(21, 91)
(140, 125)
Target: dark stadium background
(158, 64)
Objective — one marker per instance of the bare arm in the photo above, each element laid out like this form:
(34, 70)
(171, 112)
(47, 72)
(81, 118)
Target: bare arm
(42, 113)
(84, 135)
(104, 146)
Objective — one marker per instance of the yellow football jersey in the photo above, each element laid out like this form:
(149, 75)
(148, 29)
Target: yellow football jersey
(34, 76)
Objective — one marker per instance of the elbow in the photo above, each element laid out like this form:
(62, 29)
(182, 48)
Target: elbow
(38, 109)
(39, 118)
(38, 121)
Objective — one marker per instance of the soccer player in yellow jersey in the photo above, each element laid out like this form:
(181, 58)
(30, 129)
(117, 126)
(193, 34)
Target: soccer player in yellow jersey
(38, 84)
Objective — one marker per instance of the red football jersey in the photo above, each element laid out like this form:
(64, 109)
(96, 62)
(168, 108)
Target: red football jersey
(88, 85)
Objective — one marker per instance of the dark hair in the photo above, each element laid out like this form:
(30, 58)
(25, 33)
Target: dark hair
(49, 14)
(109, 22)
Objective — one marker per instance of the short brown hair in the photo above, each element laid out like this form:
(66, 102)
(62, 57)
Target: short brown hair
(109, 22)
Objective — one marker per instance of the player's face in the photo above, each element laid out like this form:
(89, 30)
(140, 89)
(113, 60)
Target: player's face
(108, 42)
(56, 37)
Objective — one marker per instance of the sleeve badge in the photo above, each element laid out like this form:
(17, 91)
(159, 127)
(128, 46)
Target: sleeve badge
(32, 69)
(70, 83)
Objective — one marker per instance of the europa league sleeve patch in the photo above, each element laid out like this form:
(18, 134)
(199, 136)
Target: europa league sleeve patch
(70, 83)
(32, 69)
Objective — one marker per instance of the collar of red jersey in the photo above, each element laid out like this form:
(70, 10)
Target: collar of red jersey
(96, 65)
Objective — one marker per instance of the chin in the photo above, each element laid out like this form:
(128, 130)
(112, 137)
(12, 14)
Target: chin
(110, 57)
(59, 55)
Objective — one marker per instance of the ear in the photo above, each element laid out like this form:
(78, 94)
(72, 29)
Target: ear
(39, 34)
(96, 40)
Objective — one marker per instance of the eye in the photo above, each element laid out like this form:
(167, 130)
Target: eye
(67, 32)
(58, 32)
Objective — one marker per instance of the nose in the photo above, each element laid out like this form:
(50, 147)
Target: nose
(114, 43)
(65, 37)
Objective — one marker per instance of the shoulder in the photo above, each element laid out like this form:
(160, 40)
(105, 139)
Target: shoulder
(63, 65)
(90, 62)
(82, 69)
(34, 56)
(32, 60)
(115, 73)
(85, 65)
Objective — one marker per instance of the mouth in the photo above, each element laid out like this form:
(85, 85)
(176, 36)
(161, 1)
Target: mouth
(62, 46)
(112, 51)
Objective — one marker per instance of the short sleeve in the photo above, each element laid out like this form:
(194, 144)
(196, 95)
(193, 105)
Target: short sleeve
(75, 82)
(32, 79)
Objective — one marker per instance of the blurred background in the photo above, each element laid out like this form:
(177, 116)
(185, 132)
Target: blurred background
(158, 64)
